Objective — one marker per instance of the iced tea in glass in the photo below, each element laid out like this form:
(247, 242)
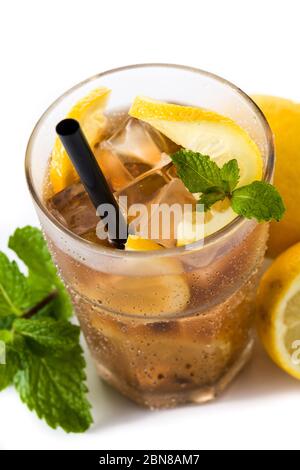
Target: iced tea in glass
(164, 326)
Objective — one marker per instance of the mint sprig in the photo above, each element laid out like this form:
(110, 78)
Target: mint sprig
(200, 174)
(44, 360)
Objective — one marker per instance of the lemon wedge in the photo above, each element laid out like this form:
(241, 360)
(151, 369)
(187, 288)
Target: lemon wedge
(89, 112)
(278, 311)
(211, 134)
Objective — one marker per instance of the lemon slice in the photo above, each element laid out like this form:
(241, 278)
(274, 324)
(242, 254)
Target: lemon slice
(206, 224)
(203, 131)
(162, 290)
(278, 311)
(211, 134)
(89, 112)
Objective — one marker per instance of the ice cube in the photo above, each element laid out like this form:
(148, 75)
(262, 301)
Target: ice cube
(138, 142)
(131, 151)
(143, 189)
(73, 208)
(115, 172)
(164, 200)
(165, 223)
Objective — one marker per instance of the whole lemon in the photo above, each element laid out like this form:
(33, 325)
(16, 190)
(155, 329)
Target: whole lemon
(278, 307)
(284, 118)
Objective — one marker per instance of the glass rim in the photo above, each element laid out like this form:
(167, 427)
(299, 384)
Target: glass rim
(239, 221)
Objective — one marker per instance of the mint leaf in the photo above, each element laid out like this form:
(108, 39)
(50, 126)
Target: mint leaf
(54, 387)
(230, 174)
(198, 172)
(7, 322)
(13, 288)
(259, 200)
(28, 243)
(54, 335)
(39, 287)
(210, 198)
(6, 336)
(9, 369)
(51, 377)
(62, 305)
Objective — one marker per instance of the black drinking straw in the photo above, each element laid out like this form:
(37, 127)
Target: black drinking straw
(91, 176)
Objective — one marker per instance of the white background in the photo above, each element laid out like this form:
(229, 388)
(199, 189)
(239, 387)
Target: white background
(48, 46)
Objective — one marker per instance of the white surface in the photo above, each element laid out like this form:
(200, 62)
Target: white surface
(48, 46)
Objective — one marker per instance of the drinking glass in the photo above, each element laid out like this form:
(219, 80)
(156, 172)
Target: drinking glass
(170, 326)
